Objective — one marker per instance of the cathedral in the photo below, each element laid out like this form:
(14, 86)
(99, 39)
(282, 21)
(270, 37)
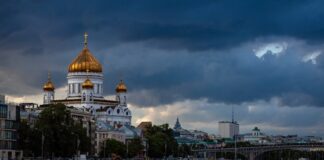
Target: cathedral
(85, 82)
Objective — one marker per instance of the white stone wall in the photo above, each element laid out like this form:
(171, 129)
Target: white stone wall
(75, 81)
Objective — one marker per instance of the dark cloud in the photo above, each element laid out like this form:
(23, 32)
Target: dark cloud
(169, 50)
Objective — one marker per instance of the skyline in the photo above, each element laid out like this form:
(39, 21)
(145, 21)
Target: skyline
(179, 59)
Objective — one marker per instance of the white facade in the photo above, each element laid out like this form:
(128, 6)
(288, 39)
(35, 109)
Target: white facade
(255, 137)
(48, 97)
(228, 129)
(91, 99)
(75, 80)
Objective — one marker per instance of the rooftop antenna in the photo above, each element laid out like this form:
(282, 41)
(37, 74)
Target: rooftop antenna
(232, 114)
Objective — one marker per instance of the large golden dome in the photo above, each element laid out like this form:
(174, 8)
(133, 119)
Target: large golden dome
(85, 61)
(121, 87)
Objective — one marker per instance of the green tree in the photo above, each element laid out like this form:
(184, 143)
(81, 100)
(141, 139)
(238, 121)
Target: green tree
(62, 136)
(112, 146)
(135, 147)
(28, 140)
(184, 150)
(161, 141)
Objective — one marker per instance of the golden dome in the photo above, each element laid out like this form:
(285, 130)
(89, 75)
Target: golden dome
(48, 86)
(87, 84)
(121, 87)
(85, 61)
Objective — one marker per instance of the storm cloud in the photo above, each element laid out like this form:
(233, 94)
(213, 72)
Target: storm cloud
(224, 52)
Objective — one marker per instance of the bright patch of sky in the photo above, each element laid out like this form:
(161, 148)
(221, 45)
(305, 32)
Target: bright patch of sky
(275, 48)
(311, 57)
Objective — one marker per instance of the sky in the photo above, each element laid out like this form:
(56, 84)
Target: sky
(195, 60)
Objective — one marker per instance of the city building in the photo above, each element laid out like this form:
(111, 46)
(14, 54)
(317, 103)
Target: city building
(9, 122)
(191, 137)
(85, 90)
(105, 131)
(255, 137)
(28, 113)
(144, 126)
(103, 118)
(228, 129)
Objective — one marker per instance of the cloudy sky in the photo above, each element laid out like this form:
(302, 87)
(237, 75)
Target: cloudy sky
(189, 59)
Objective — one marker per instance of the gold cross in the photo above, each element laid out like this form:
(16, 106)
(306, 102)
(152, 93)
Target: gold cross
(85, 39)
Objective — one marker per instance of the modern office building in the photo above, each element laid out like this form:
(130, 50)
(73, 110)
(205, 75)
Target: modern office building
(228, 129)
(9, 121)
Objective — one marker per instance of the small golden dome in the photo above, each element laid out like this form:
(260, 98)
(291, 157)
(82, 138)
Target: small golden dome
(87, 84)
(85, 61)
(48, 86)
(121, 87)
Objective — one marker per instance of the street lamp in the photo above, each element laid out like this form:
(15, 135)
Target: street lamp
(165, 150)
(126, 149)
(43, 139)
(235, 148)
(104, 148)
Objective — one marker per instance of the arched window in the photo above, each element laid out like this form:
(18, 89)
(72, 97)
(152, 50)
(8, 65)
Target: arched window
(84, 97)
(118, 111)
(126, 113)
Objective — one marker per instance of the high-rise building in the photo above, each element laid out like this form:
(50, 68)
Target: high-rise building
(228, 129)
(9, 121)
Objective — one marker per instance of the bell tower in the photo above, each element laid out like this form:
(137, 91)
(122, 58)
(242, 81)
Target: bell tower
(48, 89)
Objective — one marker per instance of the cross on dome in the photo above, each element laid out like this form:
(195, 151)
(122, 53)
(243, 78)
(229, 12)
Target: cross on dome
(85, 40)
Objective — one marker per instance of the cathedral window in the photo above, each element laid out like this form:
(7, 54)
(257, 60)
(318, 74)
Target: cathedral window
(73, 90)
(79, 88)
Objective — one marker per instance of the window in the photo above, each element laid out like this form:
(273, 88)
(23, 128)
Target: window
(84, 97)
(79, 88)
(126, 113)
(118, 111)
(73, 89)
(3, 111)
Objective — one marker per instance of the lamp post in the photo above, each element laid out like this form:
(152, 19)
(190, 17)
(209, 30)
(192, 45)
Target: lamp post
(235, 148)
(165, 150)
(126, 149)
(78, 143)
(104, 148)
(43, 139)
